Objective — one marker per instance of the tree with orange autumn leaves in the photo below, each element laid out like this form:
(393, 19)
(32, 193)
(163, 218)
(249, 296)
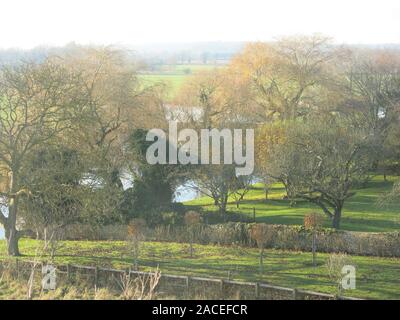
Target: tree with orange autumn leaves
(307, 82)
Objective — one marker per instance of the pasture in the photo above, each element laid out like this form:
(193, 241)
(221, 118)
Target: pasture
(377, 278)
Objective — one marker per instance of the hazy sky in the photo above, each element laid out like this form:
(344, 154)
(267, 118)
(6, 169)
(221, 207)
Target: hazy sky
(28, 23)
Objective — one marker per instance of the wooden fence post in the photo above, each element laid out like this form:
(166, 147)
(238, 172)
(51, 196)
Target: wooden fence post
(222, 289)
(257, 290)
(254, 214)
(188, 286)
(96, 276)
(128, 273)
(294, 294)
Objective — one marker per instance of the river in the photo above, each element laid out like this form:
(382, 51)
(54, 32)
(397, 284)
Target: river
(3, 209)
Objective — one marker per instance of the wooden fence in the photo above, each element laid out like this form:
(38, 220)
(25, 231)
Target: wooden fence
(180, 286)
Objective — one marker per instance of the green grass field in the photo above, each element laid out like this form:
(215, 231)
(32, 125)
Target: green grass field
(175, 75)
(361, 212)
(173, 81)
(376, 277)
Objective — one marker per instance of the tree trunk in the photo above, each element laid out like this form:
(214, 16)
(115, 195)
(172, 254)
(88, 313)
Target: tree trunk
(12, 241)
(289, 193)
(11, 232)
(223, 203)
(336, 218)
(285, 185)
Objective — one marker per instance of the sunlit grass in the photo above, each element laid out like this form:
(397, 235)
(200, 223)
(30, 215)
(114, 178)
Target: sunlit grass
(361, 212)
(376, 277)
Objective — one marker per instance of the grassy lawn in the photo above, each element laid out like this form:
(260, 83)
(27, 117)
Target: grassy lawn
(360, 213)
(376, 277)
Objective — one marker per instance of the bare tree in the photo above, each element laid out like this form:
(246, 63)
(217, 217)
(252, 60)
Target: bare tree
(261, 234)
(243, 186)
(38, 104)
(192, 221)
(313, 222)
(218, 182)
(325, 160)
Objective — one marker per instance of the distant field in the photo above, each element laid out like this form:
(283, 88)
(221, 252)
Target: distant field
(193, 68)
(173, 82)
(185, 68)
(174, 75)
(376, 277)
(361, 212)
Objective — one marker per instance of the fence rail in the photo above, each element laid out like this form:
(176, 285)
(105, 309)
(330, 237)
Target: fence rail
(221, 288)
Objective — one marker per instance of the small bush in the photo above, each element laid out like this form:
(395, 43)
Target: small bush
(334, 265)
